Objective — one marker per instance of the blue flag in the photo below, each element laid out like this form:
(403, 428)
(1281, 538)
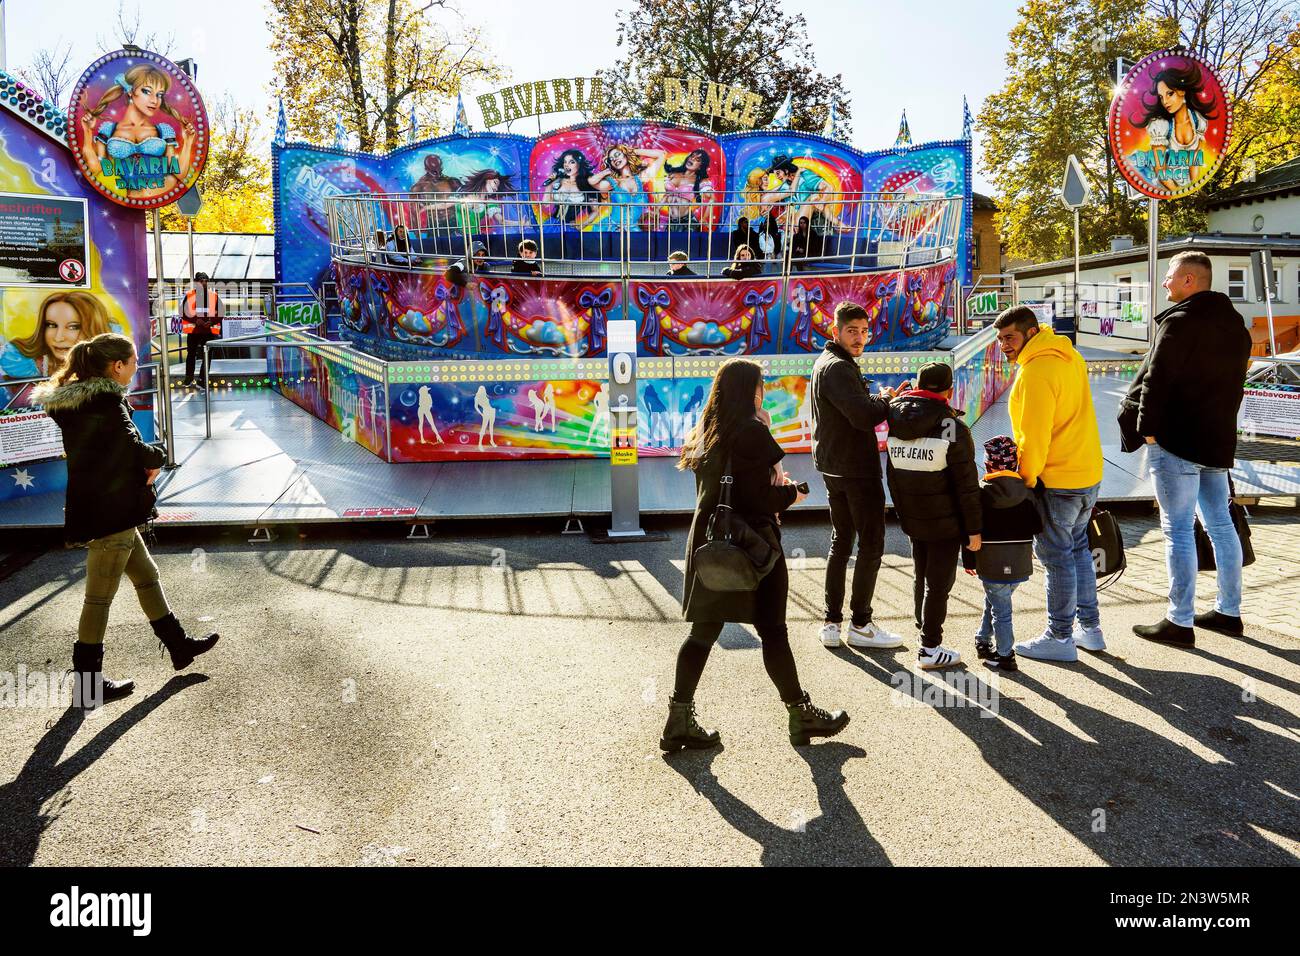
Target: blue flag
(340, 134)
(967, 121)
(281, 125)
(783, 115)
(832, 128)
(904, 132)
(460, 125)
(415, 126)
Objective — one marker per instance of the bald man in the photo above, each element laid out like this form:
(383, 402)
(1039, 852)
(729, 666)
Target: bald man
(1182, 407)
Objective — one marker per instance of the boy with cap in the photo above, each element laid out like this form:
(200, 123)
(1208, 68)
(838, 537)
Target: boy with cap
(936, 493)
(1006, 559)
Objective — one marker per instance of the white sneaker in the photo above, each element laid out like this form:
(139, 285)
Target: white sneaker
(1047, 648)
(872, 634)
(932, 658)
(831, 635)
(1088, 638)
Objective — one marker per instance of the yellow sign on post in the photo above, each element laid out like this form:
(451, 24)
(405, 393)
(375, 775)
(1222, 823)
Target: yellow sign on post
(623, 449)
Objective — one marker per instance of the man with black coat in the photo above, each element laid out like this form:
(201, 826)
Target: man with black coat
(936, 491)
(1183, 407)
(845, 451)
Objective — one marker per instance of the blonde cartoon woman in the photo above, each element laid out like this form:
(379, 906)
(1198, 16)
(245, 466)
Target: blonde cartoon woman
(622, 182)
(489, 416)
(148, 151)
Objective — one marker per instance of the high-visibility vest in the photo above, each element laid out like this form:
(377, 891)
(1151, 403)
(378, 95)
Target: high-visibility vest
(190, 310)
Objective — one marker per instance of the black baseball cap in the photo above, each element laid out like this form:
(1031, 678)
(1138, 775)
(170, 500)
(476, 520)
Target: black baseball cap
(934, 377)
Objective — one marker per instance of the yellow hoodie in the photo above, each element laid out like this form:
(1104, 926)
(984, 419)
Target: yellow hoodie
(1052, 417)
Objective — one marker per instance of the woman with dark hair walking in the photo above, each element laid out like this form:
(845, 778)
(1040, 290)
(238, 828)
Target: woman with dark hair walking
(110, 493)
(733, 438)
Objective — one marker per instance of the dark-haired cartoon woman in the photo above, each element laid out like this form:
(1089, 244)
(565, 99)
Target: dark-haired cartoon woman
(480, 187)
(687, 188)
(569, 187)
(1177, 111)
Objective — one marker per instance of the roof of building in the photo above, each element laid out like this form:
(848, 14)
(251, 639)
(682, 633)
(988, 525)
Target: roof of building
(1215, 243)
(224, 256)
(1279, 180)
(980, 201)
(28, 105)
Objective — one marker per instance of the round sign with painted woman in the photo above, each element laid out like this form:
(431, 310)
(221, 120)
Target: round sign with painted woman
(138, 129)
(1169, 124)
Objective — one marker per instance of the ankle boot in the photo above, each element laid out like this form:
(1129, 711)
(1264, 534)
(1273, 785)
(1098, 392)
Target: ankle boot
(182, 648)
(90, 687)
(807, 721)
(683, 730)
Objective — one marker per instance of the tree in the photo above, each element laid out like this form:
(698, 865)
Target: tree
(370, 62)
(50, 73)
(236, 182)
(128, 32)
(753, 44)
(1057, 92)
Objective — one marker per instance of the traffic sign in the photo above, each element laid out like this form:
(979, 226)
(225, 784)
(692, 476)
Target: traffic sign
(1075, 191)
(190, 203)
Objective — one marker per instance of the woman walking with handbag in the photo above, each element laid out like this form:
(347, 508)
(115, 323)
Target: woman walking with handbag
(110, 492)
(732, 452)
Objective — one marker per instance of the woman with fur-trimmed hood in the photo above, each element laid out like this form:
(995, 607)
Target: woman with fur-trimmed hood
(110, 494)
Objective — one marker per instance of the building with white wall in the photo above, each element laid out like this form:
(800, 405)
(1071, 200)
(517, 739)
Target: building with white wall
(1262, 214)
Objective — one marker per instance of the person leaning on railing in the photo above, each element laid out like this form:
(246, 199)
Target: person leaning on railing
(744, 267)
(527, 263)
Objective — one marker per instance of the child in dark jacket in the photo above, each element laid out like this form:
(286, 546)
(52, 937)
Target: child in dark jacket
(935, 489)
(1005, 560)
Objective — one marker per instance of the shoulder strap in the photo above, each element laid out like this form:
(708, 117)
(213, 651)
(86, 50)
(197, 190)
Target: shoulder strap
(724, 497)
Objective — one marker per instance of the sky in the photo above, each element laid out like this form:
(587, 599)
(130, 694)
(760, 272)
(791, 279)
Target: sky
(894, 54)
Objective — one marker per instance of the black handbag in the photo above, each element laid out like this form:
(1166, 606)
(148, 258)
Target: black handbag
(1106, 543)
(1205, 547)
(1129, 439)
(734, 557)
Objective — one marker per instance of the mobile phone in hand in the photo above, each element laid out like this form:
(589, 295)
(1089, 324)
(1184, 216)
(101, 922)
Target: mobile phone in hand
(801, 487)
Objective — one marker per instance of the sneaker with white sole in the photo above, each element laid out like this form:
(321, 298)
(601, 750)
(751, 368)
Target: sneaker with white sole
(831, 636)
(1088, 638)
(1045, 647)
(932, 658)
(872, 634)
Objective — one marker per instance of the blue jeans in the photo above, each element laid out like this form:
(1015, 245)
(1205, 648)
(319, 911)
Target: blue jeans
(1062, 550)
(997, 615)
(1180, 485)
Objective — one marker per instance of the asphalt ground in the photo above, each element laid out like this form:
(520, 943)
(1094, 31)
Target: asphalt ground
(495, 695)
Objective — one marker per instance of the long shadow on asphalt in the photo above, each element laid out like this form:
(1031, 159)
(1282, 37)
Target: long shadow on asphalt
(837, 837)
(43, 776)
(1130, 794)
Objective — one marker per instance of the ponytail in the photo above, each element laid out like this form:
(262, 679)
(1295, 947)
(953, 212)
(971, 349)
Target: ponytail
(90, 358)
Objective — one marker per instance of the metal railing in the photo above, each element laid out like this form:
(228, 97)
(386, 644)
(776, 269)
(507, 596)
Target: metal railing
(583, 234)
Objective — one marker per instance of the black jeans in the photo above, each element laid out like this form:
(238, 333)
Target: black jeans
(194, 343)
(772, 631)
(857, 510)
(935, 564)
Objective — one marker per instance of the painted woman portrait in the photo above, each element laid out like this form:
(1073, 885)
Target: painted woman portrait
(150, 146)
(479, 190)
(688, 189)
(64, 319)
(622, 181)
(1175, 113)
(569, 187)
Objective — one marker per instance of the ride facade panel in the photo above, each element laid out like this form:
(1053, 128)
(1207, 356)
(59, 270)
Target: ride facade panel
(486, 349)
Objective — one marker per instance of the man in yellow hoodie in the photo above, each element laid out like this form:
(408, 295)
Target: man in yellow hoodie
(1055, 428)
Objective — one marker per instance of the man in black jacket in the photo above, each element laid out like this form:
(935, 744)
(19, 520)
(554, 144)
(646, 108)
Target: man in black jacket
(1183, 406)
(845, 451)
(936, 492)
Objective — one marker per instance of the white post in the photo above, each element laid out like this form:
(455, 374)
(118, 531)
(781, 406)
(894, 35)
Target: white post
(1076, 274)
(1153, 263)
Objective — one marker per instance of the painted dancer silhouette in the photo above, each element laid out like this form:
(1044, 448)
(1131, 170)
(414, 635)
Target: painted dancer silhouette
(424, 413)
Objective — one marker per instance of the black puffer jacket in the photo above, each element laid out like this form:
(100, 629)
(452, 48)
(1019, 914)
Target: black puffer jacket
(108, 461)
(932, 476)
(1189, 386)
(1008, 516)
(844, 417)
